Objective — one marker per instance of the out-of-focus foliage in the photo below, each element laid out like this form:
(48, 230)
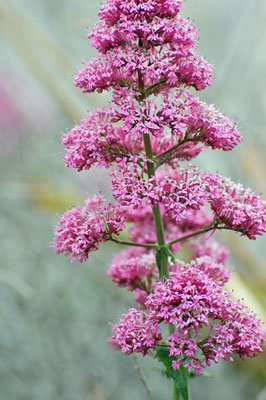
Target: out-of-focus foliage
(54, 315)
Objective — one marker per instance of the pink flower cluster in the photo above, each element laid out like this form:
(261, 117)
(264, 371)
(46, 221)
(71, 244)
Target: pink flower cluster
(97, 141)
(184, 122)
(137, 271)
(179, 192)
(237, 208)
(191, 300)
(81, 229)
(136, 332)
(143, 229)
(213, 269)
(192, 120)
(159, 70)
(182, 194)
(133, 269)
(148, 38)
(113, 10)
(205, 245)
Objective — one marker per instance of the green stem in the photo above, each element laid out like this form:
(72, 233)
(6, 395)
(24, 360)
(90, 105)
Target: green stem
(163, 264)
(176, 393)
(163, 251)
(204, 230)
(126, 243)
(175, 147)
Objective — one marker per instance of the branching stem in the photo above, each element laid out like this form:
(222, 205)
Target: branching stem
(135, 244)
(172, 149)
(164, 266)
(204, 230)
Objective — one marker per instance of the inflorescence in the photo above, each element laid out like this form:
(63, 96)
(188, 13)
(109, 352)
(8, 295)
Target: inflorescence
(148, 58)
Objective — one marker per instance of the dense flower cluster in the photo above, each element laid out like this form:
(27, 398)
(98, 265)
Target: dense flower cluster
(213, 269)
(183, 123)
(179, 192)
(81, 229)
(183, 194)
(137, 270)
(88, 143)
(207, 246)
(129, 185)
(135, 332)
(144, 37)
(238, 208)
(192, 120)
(190, 300)
(143, 230)
(133, 270)
(113, 10)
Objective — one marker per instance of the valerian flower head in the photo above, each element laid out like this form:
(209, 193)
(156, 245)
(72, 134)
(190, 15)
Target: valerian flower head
(150, 37)
(193, 120)
(133, 270)
(97, 141)
(207, 246)
(192, 300)
(236, 207)
(136, 333)
(81, 229)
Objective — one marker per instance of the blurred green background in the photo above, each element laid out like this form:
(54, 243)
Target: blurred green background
(55, 315)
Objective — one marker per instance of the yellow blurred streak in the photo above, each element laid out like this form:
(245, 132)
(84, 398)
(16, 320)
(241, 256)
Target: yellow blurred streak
(47, 196)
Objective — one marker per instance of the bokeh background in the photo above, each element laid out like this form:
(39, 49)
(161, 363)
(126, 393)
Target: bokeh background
(55, 316)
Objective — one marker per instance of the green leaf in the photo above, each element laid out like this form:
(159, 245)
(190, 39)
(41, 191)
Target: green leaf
(171, 255)
(180, 376)
(161, 253)
(162, 353)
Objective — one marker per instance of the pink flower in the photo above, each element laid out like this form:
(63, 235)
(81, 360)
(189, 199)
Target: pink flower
(144, 37)
(180, 192)
(236, 207)
(96, 140)
(81, 229)
(192, 120)
(213, 269)
(133, 270)
(205, 245)
(191, 300)
(135, 332)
